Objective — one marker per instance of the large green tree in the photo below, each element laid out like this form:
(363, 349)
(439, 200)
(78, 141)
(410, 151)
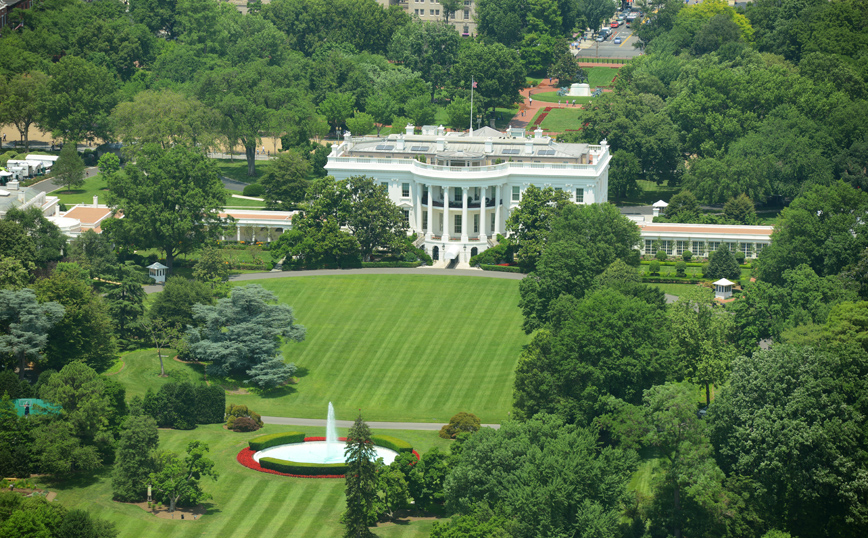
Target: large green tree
(26, 324)
(134, 464)
(242, 335)
(20, 106)
(79, 99)
(529, 224)
(179, 480)
(44, 236)
(69, 168)
(167, 118)
(361, 480)
(429, 48)
(285, 182)
(170, 200)
(373, 219)
(497, 71)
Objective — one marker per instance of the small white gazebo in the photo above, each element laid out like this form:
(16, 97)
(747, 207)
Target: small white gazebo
(658, 206)
(157, 271)
(723, 289)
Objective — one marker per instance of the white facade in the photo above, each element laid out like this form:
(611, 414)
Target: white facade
(702, 239)
(461, 196)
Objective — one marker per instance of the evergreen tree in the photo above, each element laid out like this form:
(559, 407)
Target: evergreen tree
(26, 323)
(69, 168)
(723, 265)
(740, 210)
(134, 464)
(126, 304)
(361, 479)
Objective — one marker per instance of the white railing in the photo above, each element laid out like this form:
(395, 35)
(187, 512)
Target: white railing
(465, 169)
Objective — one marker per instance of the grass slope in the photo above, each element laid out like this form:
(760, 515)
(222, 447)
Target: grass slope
(400, 347)
(245, 502)
(93, 186)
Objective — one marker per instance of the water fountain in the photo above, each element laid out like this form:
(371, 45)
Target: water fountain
(328, 451)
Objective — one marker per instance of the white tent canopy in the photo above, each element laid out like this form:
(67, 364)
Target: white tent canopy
(452, 252)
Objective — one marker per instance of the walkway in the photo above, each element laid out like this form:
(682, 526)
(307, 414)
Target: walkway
(321, 423)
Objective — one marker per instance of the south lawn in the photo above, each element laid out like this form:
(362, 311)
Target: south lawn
(414, 348)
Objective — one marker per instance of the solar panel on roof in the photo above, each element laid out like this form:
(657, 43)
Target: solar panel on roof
(546, 152)
(419, 148)
(384, 147)
(510, 152)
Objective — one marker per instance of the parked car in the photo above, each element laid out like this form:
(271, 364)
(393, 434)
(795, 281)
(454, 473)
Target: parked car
(615, 24)
(601, 37)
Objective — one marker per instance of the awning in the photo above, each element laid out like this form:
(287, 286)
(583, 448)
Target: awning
(452, 252)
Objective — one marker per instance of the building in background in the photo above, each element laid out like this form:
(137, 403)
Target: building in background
(464, 20)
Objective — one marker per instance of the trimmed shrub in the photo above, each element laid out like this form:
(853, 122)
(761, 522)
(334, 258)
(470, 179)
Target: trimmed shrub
(407, 265)
(687, 255)
(654, 267)
(739, 257)
(234, 412)
(267, 441)
(462, 422)
(501, 268)
(210, 403)
(661, 256)
(245, 424)
(392, 443)
(254, 189)
(310, 469)
(681, 268)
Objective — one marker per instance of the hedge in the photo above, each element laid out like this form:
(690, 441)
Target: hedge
(267, 441)
(210, 404)
(376, 265)
(392, 443)
(501, 268)
(670, 280)
(299, 468)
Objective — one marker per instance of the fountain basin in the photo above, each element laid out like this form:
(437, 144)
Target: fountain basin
(316, 452)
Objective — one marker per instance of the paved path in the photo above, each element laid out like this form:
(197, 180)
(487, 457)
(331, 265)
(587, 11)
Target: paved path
(382, 271)
(48, 185)
(321, 423)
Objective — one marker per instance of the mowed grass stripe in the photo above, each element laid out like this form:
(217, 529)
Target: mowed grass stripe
(267, 510)
(296, 505)
(326, 521)
(499, 376)
(242, 501)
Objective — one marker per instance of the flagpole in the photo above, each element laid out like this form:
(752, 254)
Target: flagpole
(472, 84)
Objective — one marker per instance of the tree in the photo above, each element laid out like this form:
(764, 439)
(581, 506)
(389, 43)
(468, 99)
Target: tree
(428, 48)
(174, 305)
(15, 243)
(460, 423)
(361, 480)
(126, 303)
(458, 112)
(381, 107)
(565, 68)
(596, 11)
(211, 268)
(373, 219)
(546, 476)
(393, 493)
(624, 170)
(336, 108)
(92, 251)
(15, 437)
(170, 200)
(15, 274)
(134, 462)
(497, 70)
(79, 98)
(701, 345)
(179, 479)
(21, 104)
(242, 333)
(26, 324)
(722, 264)
(760, 429)
(69, 168)
(601, 229)
(166, 118)
(361, 123)
(683, 207)
(286, 182)
(85, 332)
(529, 224)
(740, 210)
(821, 228)
(420, 110)
(449, 8)
(44, 235)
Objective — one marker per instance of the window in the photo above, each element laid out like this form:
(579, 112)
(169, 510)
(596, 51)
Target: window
(385, 184)
(680, 247)
(516, 194)
(649, 247)
(438, 12)
(425, 220)
(580, 196)
(745, 248)
(698, 248)
(417, 11)
(440, 221)
(713, 246)
(405, 190)
(466, 14)
(406, 216)
(760, 247)
(458, 224)
(466, 29)
(666, 246)
(457, 194)
(476, 223)
(432, 11)
(492, 222)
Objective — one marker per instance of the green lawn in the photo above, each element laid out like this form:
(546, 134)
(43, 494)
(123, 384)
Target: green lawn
(93, 186)
(558, 120)
(245, 502)
(601, 76)
(399, 347)
(674, 289)
(237, 169)
(650, 192)
(553, 97)
(241, 202)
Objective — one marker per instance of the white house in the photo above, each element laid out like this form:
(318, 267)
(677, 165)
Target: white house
(702, 239)
(457, 189)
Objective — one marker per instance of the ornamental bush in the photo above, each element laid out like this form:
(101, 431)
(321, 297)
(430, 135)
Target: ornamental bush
(654, 267)
(210, 402)
(245, 424)
(462, 422)
(234, 412)
(681, 268)
(661, 255)
(254, 189)
(182, 405)
(392, 443)
(267, 441)
(687, 255)
(309, 469)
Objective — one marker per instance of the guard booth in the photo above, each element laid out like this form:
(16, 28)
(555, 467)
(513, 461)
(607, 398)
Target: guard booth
(723, 289)
(157, 271)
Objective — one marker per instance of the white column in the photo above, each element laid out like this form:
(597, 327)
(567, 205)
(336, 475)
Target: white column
(482, 215)
(445, 191)
(498, 211)
(464, 223)
(430, 211)
(417, 207)
(238, 230)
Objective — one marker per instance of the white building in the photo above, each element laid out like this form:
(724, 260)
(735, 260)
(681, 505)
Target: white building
(464, 20)
(457, 189)
(702, 239)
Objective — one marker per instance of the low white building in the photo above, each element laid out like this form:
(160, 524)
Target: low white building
(702, 239)
(458, 189)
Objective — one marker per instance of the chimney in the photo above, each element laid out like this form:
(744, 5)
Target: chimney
(400, 143)
(410, 129)
(538, 133)
(348, 136)
(528, 147)
(441, 131)
(441, 144)
(489, 145)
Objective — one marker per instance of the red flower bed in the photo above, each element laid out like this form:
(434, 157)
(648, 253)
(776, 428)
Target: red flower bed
(245, 458)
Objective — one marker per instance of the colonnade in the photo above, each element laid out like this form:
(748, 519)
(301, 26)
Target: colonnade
(420, 209)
